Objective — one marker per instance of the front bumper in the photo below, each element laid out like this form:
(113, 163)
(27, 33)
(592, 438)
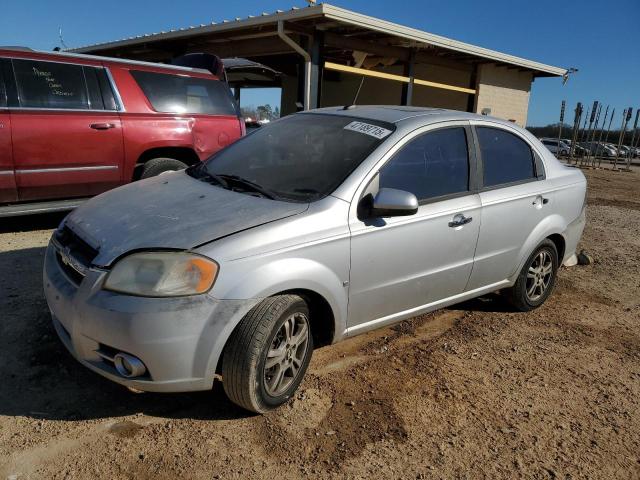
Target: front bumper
(178, 339)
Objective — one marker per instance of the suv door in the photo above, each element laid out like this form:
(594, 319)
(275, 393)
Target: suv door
(7, 179)
(67, 134)
(401, 265)
(514, 201)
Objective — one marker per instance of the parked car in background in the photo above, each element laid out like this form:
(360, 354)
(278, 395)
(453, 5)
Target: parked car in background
(599, 149)
(316, 227)
(625, 151)
(73, 126)
(556, 147)
(577, 149)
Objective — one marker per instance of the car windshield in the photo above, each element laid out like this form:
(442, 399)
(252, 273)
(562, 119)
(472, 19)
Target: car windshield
(299, 158)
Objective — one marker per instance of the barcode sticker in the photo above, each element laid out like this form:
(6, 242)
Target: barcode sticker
(368, 129)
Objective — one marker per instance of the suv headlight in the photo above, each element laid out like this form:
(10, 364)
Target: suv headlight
(162, 274)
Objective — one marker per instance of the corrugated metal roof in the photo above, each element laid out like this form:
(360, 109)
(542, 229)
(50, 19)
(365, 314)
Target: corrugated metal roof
(340, 15)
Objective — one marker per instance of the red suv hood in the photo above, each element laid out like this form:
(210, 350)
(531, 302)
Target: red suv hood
(172, 211)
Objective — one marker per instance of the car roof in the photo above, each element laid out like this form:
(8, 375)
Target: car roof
(396, 114)
(66, 57)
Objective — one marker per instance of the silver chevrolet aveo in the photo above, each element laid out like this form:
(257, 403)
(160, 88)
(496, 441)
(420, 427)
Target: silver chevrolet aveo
(315, 228)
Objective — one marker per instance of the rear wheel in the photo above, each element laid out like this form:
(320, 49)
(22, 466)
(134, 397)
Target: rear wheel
(156, 166)
(537, 278)
(268, 353)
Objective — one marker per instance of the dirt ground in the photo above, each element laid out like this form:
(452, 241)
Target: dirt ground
(473, 391)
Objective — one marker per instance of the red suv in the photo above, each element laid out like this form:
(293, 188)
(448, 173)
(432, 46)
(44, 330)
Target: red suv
(73, 126)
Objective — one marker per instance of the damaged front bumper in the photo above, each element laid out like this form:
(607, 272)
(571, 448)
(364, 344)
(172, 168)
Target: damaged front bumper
(179, 340)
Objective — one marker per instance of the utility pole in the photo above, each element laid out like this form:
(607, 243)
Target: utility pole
(584, 127)
(560, 128)
(613, 112)
(598, 144)
(626, 116)
(576, 127)
(633, 137)
(593, 135)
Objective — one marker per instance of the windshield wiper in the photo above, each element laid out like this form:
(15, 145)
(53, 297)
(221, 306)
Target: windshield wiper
(201, 173)
(246, 184)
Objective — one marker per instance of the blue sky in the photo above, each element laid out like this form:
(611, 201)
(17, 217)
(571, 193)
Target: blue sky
(600, 39)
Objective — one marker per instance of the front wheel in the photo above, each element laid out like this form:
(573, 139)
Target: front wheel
(537, 278)
(268, 353)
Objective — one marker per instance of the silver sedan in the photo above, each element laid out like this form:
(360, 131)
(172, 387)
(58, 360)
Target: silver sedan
(315, 228)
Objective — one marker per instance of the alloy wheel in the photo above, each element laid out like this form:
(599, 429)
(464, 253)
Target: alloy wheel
(539, 276)
(286, 354)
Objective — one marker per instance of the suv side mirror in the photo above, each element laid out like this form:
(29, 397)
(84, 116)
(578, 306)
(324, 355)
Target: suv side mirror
(390, 202)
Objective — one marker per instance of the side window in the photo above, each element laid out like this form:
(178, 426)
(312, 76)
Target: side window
(506, 158)
(50, 85)
(184, 94)
(3, 90)
(99, 88)
(432, 165)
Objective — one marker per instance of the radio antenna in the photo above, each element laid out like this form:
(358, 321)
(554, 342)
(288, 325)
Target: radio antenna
(355, 99)
(64, 45)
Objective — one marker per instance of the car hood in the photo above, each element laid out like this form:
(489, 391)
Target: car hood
(171, 211)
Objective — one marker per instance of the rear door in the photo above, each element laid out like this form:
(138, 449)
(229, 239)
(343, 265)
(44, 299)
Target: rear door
(513, 202)
(8, 191)
(67, 133)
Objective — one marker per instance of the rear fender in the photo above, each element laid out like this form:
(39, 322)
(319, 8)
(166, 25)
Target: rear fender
(552, 224)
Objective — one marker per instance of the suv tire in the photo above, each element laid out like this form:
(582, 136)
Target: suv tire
(268, 353)
(537, 278)
(156, 166)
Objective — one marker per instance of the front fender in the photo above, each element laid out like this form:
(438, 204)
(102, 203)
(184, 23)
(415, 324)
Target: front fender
(248, 289)
(294, 274)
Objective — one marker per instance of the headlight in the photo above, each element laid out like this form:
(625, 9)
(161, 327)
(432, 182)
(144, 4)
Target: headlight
(162, 274)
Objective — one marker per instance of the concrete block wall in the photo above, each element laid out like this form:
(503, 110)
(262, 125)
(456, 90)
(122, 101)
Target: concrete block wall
(505, 91)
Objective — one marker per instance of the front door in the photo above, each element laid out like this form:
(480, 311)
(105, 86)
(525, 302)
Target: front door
(401, 265)
(65, 141)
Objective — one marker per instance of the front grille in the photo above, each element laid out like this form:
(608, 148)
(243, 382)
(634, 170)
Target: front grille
(74, 255)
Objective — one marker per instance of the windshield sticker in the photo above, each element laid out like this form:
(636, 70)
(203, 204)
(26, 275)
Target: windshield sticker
(368, 129)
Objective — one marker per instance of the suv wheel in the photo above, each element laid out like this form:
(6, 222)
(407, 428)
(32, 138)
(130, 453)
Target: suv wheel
(537, 278)
(156, 166)
(268, 353)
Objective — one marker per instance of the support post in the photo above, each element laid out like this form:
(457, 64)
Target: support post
(317, 61)
(473, 83)
(407, 88)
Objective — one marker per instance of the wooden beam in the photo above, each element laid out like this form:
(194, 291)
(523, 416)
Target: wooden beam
(397, 78)
(349, 43)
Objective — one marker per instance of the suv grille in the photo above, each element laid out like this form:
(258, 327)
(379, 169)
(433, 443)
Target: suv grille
(74, 254)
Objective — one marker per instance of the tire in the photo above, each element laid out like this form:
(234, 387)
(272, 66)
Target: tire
(247, 378)
(156, 166)
(532, 288)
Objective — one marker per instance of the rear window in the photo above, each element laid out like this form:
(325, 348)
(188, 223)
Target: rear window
(184, 94)
(506, 158)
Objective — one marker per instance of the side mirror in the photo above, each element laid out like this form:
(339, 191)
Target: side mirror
(390, 202)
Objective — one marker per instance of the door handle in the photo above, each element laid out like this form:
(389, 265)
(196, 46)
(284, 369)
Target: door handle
(540, 200)
(102, 126)
(459, 220)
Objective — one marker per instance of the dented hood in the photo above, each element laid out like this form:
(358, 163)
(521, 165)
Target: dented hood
(173, 211)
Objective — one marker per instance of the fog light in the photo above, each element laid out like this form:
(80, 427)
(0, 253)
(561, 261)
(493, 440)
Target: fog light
(129, 366)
